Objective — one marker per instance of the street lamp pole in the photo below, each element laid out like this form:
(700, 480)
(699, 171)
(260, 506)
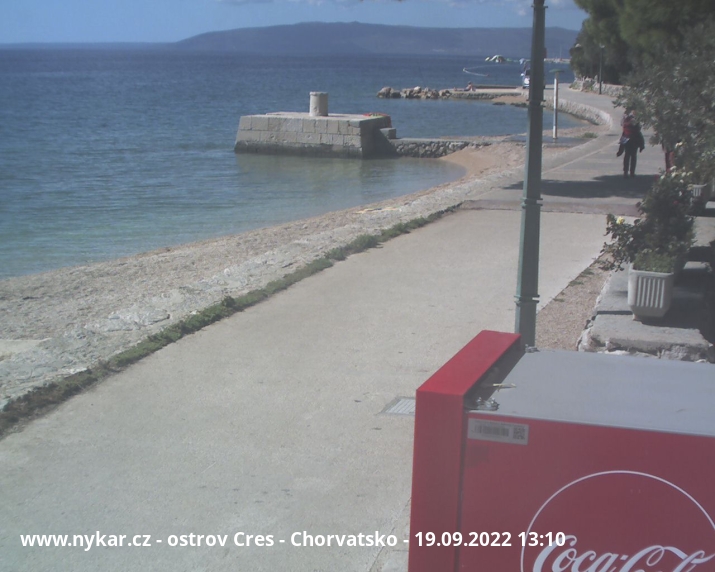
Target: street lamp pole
(600, 70)
(527, 294)
(556, 105)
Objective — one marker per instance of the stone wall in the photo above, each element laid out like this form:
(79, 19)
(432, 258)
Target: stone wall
(591, 114)
(302, 134)
(589, 84)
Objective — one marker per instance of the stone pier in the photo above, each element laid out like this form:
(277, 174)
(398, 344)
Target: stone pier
(316, 133)
(336, 135)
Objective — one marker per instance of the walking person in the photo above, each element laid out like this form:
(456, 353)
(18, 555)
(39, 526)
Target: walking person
(630, 143)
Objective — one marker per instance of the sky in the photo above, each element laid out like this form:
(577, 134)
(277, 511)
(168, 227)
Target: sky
(172, 20)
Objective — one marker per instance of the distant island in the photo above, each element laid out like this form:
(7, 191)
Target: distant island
(355, 38)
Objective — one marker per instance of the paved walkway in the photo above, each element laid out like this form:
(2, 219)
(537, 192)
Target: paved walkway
(271, 422)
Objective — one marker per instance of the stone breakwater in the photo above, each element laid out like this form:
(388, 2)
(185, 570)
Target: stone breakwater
(489, 92)
(431, 148)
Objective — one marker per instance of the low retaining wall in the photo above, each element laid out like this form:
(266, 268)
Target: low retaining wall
(591, 114)
(612, 329)
(591, 85)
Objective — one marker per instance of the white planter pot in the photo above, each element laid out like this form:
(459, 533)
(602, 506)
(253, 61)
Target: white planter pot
(700, 192)
(649, 293)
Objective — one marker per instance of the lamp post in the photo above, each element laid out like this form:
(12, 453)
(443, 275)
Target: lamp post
(556, 104)
(528, 273)
(600, 69)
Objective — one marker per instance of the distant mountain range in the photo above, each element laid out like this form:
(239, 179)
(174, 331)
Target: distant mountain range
(355, 38)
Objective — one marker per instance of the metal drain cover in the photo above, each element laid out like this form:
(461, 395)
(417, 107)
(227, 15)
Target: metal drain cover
(400, 406)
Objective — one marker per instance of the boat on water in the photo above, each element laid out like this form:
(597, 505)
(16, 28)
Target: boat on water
(526, 78)
(525, 73)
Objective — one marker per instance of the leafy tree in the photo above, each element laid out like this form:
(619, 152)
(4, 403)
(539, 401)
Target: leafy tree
(650, 25)
(633, 32)
(675, 95)
(600, 29)
(587, 57)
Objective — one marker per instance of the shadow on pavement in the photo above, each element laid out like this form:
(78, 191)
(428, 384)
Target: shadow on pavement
(607, 186)
(604, 187)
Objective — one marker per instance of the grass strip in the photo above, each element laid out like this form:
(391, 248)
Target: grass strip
(41, 400)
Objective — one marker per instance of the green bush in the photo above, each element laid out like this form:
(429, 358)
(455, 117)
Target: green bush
(665, 228)
(652, 261)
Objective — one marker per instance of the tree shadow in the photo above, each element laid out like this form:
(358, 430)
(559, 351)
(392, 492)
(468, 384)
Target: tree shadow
(604, 187)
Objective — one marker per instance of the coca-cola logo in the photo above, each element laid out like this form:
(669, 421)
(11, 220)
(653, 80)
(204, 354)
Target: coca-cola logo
(620, 521)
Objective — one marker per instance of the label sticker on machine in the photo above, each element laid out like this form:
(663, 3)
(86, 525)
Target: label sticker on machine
(496, 431)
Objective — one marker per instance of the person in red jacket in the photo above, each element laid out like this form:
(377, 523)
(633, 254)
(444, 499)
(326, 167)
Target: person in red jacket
(630, 142)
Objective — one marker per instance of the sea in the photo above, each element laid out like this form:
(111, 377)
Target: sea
(108, 151)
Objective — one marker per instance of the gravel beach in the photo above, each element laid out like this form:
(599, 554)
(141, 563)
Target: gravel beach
(61, 322)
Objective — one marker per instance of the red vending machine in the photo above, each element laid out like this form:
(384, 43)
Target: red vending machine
(555, 461)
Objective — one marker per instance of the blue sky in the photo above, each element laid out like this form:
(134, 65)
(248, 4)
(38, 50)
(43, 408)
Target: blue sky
(172, 20)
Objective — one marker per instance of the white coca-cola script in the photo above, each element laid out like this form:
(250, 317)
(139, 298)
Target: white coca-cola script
(650, 559)
(615, 521)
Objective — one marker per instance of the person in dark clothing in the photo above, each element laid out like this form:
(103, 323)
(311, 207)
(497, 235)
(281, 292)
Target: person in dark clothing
(630, 143)
(669, 158)
(628, 122)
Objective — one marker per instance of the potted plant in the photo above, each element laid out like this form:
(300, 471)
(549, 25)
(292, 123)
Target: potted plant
(700, 192)
(699, 197)
(650, 283)
(654, 247)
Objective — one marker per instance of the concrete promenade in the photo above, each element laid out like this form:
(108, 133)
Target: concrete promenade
(271, 422)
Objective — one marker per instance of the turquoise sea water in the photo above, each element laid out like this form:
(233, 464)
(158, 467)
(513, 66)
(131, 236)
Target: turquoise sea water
(110, 152)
